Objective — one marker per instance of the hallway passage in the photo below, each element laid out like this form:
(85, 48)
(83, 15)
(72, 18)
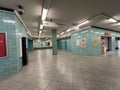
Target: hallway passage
(66, 71)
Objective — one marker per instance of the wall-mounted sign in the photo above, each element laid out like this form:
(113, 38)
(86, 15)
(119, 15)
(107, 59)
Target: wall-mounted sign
(83, 42)
(95, 42)
(3, 50)
(49, 24)
(108, 33)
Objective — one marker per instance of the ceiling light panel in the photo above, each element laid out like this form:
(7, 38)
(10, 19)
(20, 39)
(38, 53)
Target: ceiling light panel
(44, 14)
(84, 23)
(62, 33)
(40, 31)
(112, 20)
(118, 23)
(41, 26)
(68, 30)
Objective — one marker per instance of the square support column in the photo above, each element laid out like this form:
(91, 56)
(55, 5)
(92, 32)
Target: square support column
(112, 43)
(54, 41)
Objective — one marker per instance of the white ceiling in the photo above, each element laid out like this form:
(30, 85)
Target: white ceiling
(67, 12)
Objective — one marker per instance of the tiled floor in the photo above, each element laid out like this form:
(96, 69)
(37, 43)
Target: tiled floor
(66, 71)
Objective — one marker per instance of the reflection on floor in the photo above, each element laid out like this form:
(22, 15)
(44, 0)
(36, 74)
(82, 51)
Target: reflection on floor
(66, 71)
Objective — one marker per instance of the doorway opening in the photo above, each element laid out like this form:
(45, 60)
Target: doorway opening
(105, 44)
(117, 43)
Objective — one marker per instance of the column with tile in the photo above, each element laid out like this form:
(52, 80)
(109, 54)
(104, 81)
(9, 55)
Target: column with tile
(113, 43)
(54, 41)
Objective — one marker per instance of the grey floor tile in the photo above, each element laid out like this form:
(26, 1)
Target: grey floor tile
(65, 71)
(53, 85)
(78, 82)
(116, 86)
(78, 88)
(11, 85)
(29, 87)
(65, 87)
(92, 84)
(107, 86)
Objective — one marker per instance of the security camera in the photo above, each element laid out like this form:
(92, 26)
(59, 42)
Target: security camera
(20, 10)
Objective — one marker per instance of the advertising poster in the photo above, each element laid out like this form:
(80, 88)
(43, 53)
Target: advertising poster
(3, 52)
(83, 42)
(95, 42)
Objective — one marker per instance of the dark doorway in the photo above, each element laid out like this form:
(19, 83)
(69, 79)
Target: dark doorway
(106, 43)
(24, 51)
(109, 44)
(117, 43)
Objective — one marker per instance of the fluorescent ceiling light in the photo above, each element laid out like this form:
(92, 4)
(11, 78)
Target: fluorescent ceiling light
(112, 20)
(118, 23)
(9, 21)
(44, 14)
(68, 30)
(39, 34)
(40, 31)
(41, 26)
(84, 23)
(62, 33)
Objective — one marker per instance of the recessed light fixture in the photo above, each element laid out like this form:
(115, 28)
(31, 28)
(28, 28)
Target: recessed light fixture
(118, 23)
(84, 23)
(44, 14)
(40, 31)
(112, 20)
(68, 30)
(62, 33)
(41, 26)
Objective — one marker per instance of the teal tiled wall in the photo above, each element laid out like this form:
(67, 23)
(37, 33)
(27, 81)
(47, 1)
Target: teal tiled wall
(19, 28)
(30, 45)
(59, 44)
(68, 44)
(89, 34)
(12, 63)
(64, 44)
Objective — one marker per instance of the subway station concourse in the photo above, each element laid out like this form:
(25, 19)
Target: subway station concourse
(59, 45)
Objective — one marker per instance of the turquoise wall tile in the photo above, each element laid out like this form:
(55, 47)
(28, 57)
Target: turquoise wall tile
(89, 34)
(12, 63)
(30, 45)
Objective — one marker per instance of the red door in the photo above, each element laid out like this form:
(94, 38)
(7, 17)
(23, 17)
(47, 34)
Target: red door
(2, 45)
